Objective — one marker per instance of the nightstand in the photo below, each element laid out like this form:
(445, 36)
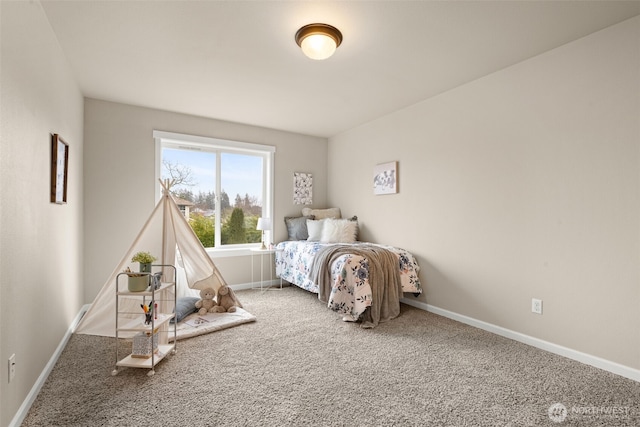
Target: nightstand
(270, 254)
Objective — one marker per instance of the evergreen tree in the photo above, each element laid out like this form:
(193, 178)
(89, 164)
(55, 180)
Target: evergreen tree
(206, 201)
(247, 203)
(185, 194)
(233, 231)
(224, 201)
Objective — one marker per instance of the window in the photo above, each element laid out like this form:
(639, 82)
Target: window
(224, 186)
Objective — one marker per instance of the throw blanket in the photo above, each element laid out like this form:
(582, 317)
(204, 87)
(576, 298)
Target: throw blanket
(384, 279)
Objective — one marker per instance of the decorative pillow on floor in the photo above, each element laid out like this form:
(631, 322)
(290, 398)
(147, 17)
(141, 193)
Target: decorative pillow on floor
(184, 307)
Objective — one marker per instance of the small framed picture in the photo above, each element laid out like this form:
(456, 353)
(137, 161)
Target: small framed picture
(59, 169)
(385, 178)
(302, 188)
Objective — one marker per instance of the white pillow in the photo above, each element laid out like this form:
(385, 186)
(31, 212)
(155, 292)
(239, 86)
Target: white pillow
(322, 213)
(314, 229)
(339, 231)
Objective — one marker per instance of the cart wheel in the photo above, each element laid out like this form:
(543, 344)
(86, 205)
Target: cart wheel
(174, 351)
(151, 373)
(114, 372)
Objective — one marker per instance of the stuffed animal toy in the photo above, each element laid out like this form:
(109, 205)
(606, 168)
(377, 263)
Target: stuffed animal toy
(227, 301)
(207, 304)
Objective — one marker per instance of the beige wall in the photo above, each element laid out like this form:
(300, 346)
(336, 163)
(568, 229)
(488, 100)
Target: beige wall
(523, 184)
(40, 242)
(119, 179)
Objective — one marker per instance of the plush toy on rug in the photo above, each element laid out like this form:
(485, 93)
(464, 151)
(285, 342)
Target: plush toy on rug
(207, 304)
(227, 301)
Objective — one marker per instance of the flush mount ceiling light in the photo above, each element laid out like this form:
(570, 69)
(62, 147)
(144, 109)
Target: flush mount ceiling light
(318, 41)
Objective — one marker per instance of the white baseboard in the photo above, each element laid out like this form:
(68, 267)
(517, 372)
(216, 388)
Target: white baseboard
(607, 365)
(33, 393)
(256, 285)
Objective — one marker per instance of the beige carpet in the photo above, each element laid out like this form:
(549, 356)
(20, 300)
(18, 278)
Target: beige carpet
(300, 365)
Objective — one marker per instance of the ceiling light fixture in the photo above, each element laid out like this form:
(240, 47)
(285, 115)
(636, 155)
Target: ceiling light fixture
(318, 41)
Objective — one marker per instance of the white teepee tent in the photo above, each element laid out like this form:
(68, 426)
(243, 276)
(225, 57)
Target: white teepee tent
(167, 235)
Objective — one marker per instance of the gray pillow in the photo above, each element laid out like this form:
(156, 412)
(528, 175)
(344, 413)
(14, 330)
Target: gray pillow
(184, 307)
(297, 227)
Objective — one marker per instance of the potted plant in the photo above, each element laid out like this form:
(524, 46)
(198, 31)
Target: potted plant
(145, 259)
(137, 282)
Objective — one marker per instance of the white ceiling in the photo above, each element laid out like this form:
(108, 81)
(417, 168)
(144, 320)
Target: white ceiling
(238, 61)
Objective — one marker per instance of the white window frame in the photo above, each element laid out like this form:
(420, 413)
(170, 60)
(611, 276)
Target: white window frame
(193, 142)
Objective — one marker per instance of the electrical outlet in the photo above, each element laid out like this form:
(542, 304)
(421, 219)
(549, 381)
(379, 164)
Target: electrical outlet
(536, 305)
(12, 367)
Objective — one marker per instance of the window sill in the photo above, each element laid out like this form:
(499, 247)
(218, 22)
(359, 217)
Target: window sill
(230, 252)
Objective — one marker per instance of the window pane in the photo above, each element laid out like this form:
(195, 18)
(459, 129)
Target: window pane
(239, 182)
(195, 175)
(241, 178)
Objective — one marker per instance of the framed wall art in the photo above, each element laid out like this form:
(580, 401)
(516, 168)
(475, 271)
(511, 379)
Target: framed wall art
(385, 178)
(59, 169)
(302, 188)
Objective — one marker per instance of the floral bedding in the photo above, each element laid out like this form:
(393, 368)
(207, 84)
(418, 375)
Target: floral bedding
(351, 292)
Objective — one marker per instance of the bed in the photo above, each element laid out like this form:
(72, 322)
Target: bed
(341, 269)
